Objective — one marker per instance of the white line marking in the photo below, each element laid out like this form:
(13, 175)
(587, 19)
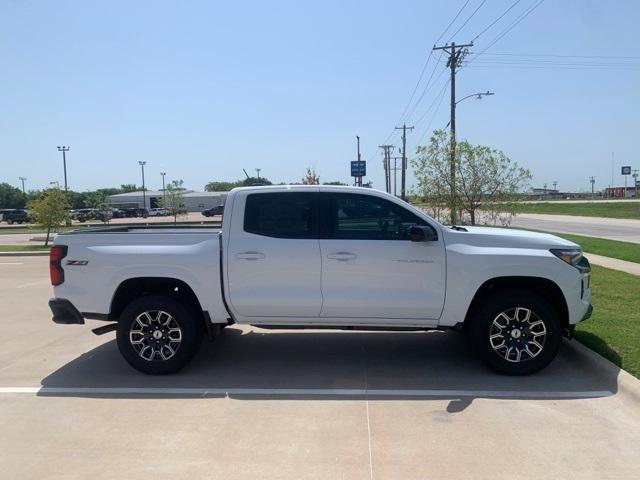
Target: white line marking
(322, 392)
(11, 263)
(369, 436)
(33, 284)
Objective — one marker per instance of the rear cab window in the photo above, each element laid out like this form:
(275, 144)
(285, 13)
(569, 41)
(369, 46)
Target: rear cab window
(281, 214)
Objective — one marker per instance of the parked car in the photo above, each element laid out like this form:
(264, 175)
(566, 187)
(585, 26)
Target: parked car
(210, 212)
(158, 212)
(17, 215)
(117, 213)
(319, 257)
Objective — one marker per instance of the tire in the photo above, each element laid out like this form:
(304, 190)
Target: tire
(158, 353)
(9, 222)
(516, 332)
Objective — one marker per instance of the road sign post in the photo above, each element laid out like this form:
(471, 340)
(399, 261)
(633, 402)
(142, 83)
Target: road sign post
(358, 170)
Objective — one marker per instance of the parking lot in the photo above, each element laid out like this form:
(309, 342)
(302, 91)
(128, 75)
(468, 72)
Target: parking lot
(294, 404)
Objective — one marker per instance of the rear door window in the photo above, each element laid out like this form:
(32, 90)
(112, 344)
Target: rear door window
(281, 214)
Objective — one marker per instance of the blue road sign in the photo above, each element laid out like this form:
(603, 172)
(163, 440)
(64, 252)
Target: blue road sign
(358, 168)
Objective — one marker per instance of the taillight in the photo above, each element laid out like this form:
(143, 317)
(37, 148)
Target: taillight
(56, 254)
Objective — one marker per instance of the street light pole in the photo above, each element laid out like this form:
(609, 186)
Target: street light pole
(144, 196)
(64, 149)
(22, 179)
(258, 173)
(592, 180)
(164, 192)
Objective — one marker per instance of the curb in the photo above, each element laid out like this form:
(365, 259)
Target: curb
(627, 383)
(36, 253)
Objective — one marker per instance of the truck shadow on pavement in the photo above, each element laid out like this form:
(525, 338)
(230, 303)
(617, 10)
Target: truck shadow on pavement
(379, 365)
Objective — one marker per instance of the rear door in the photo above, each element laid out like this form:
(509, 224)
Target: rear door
(370, 268)
(274, 255)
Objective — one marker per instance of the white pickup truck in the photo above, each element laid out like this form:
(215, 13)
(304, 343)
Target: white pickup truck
(321, 257)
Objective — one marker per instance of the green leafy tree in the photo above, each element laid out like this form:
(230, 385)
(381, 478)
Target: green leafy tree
(11, 197)
(311, 177)
(173, 200)
(221, 186)
(129, 187)
(254, 182)
(486, 179)
(50, 210)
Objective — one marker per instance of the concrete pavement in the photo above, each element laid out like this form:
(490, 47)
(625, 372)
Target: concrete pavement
(290, 410)
(622, 265)
(626, 230)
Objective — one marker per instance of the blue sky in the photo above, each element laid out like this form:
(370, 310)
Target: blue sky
(202, 89)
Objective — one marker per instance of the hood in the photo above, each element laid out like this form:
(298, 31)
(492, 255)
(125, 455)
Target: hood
(505, 237)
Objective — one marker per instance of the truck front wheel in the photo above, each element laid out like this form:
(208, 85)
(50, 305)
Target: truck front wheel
(516, 332)
(158, 335)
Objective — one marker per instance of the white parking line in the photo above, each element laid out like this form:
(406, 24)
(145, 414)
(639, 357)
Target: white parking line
(322, 392)
(11, 263)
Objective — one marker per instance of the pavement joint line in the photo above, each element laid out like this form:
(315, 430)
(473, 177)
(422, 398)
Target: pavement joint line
(341, 392)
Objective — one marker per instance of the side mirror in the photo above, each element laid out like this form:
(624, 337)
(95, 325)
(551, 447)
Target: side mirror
(422, 233)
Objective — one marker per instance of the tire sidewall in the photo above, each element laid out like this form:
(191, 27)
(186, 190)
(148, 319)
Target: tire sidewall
(191, 334)
(502, 301)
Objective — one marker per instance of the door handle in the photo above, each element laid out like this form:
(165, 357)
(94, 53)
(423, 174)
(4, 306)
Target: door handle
(250, 255)
(342, 256)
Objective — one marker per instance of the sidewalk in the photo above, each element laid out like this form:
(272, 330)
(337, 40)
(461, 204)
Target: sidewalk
(613, 263)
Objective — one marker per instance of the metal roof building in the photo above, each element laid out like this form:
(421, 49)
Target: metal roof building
(194, 201)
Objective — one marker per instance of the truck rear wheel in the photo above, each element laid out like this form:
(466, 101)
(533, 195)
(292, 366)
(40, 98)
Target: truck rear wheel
(158, 335)
(516, 332)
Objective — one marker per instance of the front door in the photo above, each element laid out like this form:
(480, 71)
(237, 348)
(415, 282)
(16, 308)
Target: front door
(370, 268)
(274, 256)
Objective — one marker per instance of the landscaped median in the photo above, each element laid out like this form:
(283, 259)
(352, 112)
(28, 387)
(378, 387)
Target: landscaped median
(614, 329)
(622, 209)
(23, 248)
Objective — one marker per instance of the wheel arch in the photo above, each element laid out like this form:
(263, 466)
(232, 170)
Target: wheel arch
(137, 287)
(543, 286)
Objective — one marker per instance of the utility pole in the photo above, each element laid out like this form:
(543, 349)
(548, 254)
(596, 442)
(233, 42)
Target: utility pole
(592, 180)
(456, 54)
(164, 191)
(545, 191)
(144, 196)
(395, 175)
(258, 173)
(635, 182)
(555, 187)
(358, 179)
(64, 149)
(22, 179)
(404, 129)
(387, 166)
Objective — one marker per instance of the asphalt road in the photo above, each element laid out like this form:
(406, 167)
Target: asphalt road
(293, 405)
(626, 230)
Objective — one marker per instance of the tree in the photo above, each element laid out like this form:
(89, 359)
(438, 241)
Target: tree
(11, 197)
(254, 182)
(50, 210)
(485, 178)
(221, 186)
(173, 200)
(311, 177)
(129, 187)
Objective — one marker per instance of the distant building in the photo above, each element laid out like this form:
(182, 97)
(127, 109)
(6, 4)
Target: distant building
(619, 192)
(194, 201)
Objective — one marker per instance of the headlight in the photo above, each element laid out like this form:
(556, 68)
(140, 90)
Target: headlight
(572, 256)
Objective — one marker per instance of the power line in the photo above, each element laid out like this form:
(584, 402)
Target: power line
(435, 99)
(435, 113)
(452, 21)
(496, 20)
(509, 27)
(466, 21)
(562, 56)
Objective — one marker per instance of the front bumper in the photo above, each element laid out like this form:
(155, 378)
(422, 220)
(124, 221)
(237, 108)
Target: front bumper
(587, 314)
(64, 312)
